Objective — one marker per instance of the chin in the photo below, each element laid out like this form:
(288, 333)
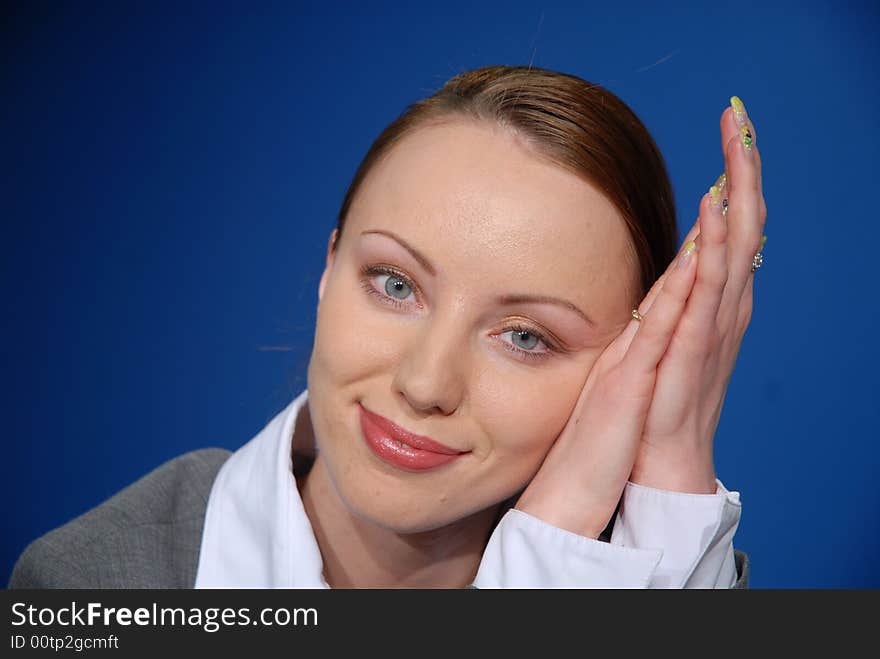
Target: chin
(407, 507)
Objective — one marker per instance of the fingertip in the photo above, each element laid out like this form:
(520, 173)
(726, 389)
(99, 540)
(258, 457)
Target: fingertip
(728, 125)
(686, 258)
(708, 204)
(726, 116)
(712, 216)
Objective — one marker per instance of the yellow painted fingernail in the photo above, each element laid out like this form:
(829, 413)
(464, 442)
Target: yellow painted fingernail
(689, 248)
(763, 241)
(739, 110)
(717, 193)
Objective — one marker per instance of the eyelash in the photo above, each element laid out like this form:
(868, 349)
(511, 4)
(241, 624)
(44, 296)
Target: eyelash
(370, 271)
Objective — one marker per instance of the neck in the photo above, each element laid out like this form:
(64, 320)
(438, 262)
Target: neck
(360, 554)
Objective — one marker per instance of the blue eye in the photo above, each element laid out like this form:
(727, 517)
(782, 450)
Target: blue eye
(398, 287)
(530, 338)
(396, 284)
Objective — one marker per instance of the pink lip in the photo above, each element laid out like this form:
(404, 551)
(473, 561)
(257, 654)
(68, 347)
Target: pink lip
(401, 448)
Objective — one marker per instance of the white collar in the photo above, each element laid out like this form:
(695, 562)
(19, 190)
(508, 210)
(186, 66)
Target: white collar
(257, 533)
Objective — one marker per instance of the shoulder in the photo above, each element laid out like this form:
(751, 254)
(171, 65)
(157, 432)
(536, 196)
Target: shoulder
(148, 535)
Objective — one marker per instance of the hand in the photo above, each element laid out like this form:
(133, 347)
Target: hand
(676, 451)
(602, 445)
(583, 475)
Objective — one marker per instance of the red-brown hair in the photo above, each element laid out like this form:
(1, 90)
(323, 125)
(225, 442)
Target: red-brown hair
(573, 123)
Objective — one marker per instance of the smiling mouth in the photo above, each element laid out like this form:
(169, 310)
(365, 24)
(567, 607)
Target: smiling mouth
(401, 448)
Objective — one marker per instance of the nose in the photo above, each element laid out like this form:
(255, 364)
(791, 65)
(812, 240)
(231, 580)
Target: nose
(431, 374)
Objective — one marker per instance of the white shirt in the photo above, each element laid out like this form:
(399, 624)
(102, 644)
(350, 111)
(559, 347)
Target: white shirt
(257, 533)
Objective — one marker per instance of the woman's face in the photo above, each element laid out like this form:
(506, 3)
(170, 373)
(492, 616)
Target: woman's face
(447, 338)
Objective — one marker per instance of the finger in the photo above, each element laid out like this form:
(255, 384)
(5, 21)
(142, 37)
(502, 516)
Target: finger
(740, 118)
(730, 127)
(740, 113)
(744, 313)
(734, 120)
(656, 328)
(744, 310)
(693, 234)
(745, 215)
(626, 336)
(732, 339)
(711, 277)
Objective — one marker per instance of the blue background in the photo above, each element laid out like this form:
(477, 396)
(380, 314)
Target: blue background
(171, 173)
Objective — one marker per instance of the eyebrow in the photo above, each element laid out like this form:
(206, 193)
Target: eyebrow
(511, 298)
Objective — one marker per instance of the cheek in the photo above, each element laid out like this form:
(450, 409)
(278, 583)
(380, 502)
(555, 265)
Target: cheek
(350, 339)
(523, 416)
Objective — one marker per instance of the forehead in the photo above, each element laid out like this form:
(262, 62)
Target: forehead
(473, 198)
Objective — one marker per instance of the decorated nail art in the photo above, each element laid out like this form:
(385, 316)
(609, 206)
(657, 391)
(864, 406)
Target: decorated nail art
(746, 137)
(715, 196)
(684, 258)
(739, 112)
(719, 197)
(717, 200)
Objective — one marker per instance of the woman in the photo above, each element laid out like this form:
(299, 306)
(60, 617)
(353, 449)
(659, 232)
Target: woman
(515, 379)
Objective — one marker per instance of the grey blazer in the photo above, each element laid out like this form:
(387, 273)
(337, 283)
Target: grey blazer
(146, 536)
